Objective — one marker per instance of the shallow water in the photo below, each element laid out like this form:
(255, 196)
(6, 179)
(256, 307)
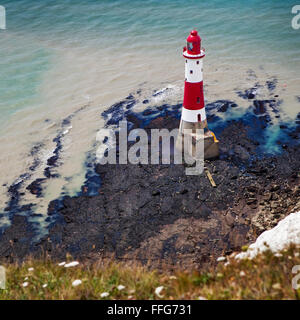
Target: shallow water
(62, 58)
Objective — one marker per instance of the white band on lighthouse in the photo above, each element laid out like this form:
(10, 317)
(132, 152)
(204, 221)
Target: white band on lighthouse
(192, 115)
(193, 70)
(193, 56)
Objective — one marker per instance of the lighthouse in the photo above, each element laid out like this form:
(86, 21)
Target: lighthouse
(193, 114)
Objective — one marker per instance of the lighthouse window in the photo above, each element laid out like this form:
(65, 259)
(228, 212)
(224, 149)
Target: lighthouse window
(198, 100)
(197, 62)
(191, 71)
(190, 46)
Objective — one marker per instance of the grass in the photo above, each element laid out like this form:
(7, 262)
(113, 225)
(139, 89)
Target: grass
(266, 277)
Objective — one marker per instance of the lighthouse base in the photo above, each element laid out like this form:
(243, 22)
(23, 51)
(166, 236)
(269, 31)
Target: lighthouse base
(211, 146)
(209, 140)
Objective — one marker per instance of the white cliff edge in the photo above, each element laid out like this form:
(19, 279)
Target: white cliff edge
(285, 233)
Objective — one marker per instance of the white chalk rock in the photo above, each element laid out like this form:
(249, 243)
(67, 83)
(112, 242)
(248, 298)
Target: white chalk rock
(72, 264)
(287, 232)
(76, 283)
(220, 259)
(120, 287)
(158, 291)
(104, 294)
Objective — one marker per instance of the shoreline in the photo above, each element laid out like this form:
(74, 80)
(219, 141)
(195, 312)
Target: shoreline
(155, 214)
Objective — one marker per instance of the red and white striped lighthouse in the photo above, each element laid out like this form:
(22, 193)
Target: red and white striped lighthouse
(193, 110)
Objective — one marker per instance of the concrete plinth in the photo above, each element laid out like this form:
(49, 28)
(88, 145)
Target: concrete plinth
(211, 144)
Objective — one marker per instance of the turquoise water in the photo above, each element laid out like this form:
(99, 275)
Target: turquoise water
(240, 29)
(58, 56)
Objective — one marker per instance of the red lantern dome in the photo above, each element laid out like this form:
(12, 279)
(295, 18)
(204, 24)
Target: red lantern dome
(193, 43)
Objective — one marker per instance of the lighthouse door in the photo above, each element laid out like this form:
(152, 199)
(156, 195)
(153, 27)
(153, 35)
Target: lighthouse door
(199, 117)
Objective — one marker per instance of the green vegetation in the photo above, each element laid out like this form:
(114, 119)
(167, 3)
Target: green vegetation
(268, 276)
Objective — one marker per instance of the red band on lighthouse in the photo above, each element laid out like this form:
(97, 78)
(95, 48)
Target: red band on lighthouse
(193, 96)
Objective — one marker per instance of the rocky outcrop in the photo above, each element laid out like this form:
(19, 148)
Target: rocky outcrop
(287, 232)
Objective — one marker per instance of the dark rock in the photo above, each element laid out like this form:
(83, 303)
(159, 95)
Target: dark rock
(205, 211)
(148, 112)
(36, 187)
(251, 201)
(156, 214)
(252, 188)
(283, 126)
(184, 191)
(271, 84)
(249, 93)
(156, 193)
(275, 187)
(260, 107)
